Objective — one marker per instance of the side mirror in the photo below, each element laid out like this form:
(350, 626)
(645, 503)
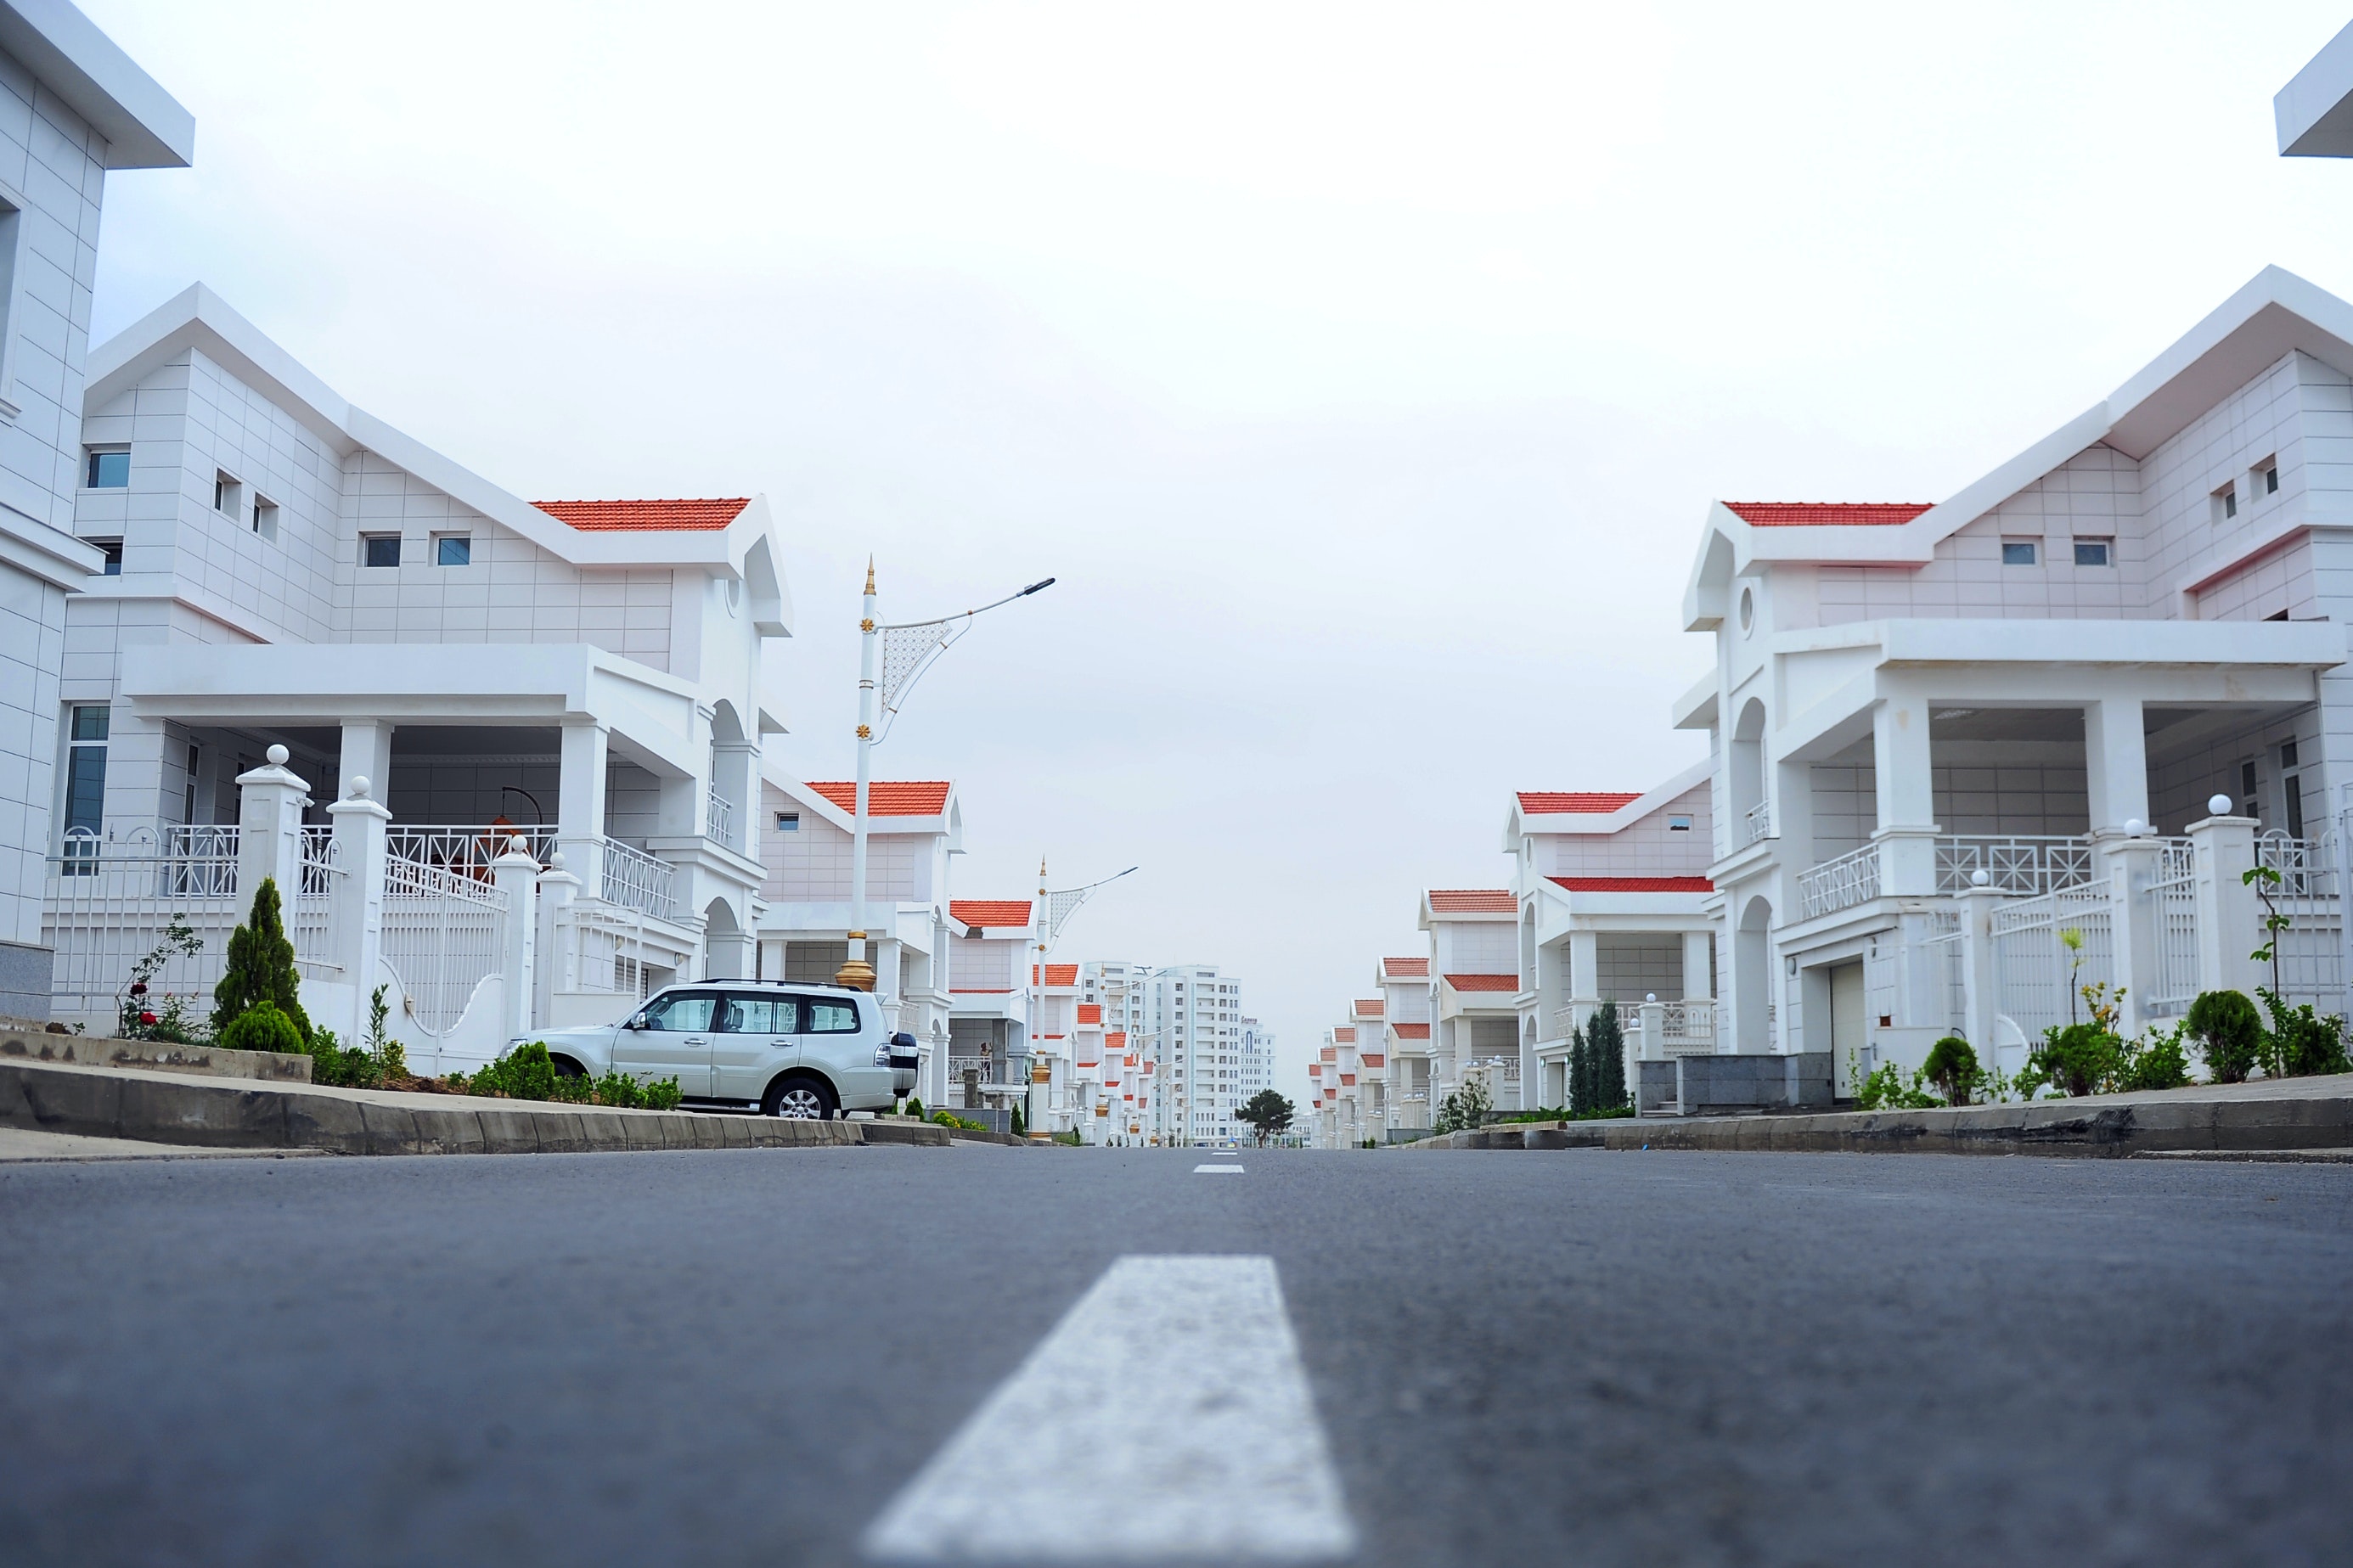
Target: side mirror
(634, 1021)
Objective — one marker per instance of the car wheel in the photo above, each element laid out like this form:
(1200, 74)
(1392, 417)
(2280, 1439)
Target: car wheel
(801, 1100)
(566, 1068)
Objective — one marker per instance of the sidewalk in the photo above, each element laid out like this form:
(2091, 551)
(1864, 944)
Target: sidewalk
(187, 1111)
(2267, 1115)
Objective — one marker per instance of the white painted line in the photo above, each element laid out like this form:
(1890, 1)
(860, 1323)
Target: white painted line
(1217, 1170)
(1165, 1417)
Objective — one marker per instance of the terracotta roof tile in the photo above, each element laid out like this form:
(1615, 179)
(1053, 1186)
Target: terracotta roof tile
(1406, 968)
(645, 516)
(1374, 1059)
(1411, 1031)
(1546, 803)
(1825, 513)
(1636, 884)
(1473, 901)
(1510, 982)
(1089, 1012)
(1056, 974)
(1345, 1037)
(989, 913)
(1331, 1054)
(918, 797)
(1370, 1008)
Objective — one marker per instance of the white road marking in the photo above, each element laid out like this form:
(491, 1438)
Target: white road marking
(1217, 1170)
(1167, 1416)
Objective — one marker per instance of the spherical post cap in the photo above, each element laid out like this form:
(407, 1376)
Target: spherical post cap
(1978, 878)
(2136, 828)
(1649, 997)
(2218, 805)
(359, 786)
(277, 755)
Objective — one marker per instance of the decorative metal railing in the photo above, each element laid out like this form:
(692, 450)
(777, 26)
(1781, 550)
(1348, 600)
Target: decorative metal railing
(441, 930)
(2173, 902)
(108, 904)
(2023, 865)
(467, 850)
(2039, 974)
(636, 881)
(1853, 878)
(719, 817)
(1756, 823)
(2311, 948)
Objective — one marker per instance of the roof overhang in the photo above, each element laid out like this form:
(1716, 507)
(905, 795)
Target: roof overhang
(947, 821)
(144, 127)
(1518, 822)
(2314, 112)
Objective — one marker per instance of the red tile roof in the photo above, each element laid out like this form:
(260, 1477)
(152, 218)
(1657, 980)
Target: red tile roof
(988, 913)
(1089, 1012)
(1822, 514)
(1370, 1008)
(645, 516)
(1056, 974)
(918, 797)
(1545, 803)
(1411, 1031)
(1374, 1059)
(1115, 1040)
(1473, 901)
(1347, 1078)
(1345, 1037)
(1331, 1054)
(1483, 982)
(1406, 968)
(1636, 884)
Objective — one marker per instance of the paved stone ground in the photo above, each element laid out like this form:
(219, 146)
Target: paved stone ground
(1583, 1357)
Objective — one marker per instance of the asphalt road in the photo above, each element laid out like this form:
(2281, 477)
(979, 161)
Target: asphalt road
(1581, 1357)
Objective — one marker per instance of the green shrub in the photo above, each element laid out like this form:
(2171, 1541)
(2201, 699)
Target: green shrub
(2300, 1042)
(1952, 1067)
(260, 967)
(1604, 1037)
(1885, 1090)
(949, 1119)
(915, 1108)
(662, 1094)
(1070, 1136)
(331, 1063)
(2229, 1034)
(2076, 1058)
(1019, 1131)
(528, 1072)
(263, 1027)
(2158, 1061)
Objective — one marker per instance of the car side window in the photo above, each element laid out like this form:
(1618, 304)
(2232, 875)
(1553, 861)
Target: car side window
(680, 1014)
(759, 1015)
(828, 1017)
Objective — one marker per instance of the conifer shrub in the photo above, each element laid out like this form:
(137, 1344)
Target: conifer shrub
(1952, 1067)
(260, 968)
(1606, 1039)
(264, 1027)
(2229, 1034)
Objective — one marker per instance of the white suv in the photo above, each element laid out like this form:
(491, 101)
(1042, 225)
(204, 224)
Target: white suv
(810, 1051)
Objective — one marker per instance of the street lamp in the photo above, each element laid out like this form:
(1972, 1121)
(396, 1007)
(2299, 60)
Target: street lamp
(1054, 911)
(908, 651)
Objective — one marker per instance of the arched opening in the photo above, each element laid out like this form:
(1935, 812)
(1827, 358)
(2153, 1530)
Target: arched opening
(1752, 978)
(734, 764)
(727, 946)
(1751, 816)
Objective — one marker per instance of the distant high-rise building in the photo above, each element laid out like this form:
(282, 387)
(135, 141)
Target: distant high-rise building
(1188, 1017)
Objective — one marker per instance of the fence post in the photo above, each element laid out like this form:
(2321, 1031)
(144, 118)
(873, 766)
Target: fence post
(1654, 1014)
(2230, 916)
(516, 875)
(1980, 977)
(2129, 865)
(355, 912)
(270, 802)
(2345, 902)
(558, 959)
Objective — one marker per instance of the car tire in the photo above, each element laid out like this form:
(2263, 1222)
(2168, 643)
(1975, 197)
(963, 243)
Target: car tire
(801, 1097)
(566, 1068)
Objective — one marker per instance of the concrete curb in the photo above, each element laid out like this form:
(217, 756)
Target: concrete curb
(98, 1051)
(165, 1107)
(2242, 1118)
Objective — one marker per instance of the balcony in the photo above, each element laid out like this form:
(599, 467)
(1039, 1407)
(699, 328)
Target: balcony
(636, 881)
(1853, 878)
(1755, 825)
(719, 818)
(2023, 865)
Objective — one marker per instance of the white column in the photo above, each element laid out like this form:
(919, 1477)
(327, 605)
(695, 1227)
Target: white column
(270, 832)
(356, 918)
(2127, 863)
(1907, 835)
(367, 755)
(1654, 1015)
(2230, 916)
(580, 804)
(1584, 981)
(1699, 947)
(517, 875)
(735, 771)
(2116, 762)
(1981, 995)
(556, 966)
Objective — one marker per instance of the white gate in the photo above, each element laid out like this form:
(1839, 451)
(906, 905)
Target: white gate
(441, 932)
(2038, 975)
(108, 904)
(2311, 953)
(2173, 906)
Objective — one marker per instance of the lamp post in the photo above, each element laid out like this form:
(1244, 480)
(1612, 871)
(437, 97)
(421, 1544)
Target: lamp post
(1054, 911)
(904, 652)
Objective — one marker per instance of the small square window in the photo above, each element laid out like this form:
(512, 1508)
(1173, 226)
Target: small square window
(2092, 553)
(1679, 825)
(265, 518)
(380, 549)
(789, 822)
(453, 550)
(2018, 552)
(2271, 478)
(91, 723)
(109, 470)
(228, 495)
(2226, 503)
(112, 550)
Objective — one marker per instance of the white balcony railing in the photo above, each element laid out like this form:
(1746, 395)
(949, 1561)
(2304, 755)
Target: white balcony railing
(1853, 878)
(1756, 824)
(636, 881)
(466, 849)
(2023, 865)
(719, 817)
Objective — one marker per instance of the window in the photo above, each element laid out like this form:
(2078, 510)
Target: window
(2291, 791)
(2247, 789)
(759, 1015)
(2266, 476)
(789, 822)
(108, 469)
(379, 550)
(823, 1017)
(112, 550)
(2226, 503)
(453, 550)
(264, 517)
(228, 495)
(2092, 553)
(2018, 552)
(195, 758)
(86, 781)
(682, 1014)
(1679, 825)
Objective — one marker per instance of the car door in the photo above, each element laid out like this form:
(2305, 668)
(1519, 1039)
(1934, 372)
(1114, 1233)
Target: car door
(758, 1040)
(834, 1041)
(675, 1042)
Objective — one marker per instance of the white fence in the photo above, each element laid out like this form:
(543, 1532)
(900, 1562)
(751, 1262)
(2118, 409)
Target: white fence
(1852, 878)
(468, 849)
(2173, 906)
(2038, 975)
(2023, 865)
(108, 904)
(2311, 949)
(1936, 990)
(636, 881)
(441, 930)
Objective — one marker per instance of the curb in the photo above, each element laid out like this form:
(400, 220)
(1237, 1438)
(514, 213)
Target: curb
(102, 1051)
(165, 1107)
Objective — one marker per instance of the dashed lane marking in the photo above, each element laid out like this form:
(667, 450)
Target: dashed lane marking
(1217, 1170)
(1165, 1417)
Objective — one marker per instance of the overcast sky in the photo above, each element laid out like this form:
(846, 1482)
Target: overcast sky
(1362, 371)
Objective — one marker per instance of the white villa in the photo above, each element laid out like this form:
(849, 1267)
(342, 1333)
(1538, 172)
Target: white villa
(1614, 905)
(2079, 698)
(990, 942)
(1474, 988)
(73, 107)
(1406, 1068)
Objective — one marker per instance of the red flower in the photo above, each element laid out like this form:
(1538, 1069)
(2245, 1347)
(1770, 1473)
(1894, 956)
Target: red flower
(146, 1018)
(139, 988)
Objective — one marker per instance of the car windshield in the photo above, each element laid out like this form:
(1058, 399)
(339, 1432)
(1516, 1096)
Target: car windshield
(680, 1014)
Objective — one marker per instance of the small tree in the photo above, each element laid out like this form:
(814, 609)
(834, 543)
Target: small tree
(1268, 1113)
(2229, 1032)
(1607, 1039)
(1952, 1067)
(1581, 1073)
(260, 966)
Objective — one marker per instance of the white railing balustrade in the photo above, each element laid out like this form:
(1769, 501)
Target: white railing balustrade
(2023, 865)
(203, 859)
(108, 905)
(636, 881)
(442, 932)
(719, 817)
(1685, 1028)
(1756, 824)
(2038, 974)
(2173, 905)
(2311, 953)
(2306, 870)
(467, 850)
(309, 917)
(1564, 1022)
(1853, 878)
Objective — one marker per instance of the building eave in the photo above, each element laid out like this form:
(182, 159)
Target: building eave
(144, 126)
